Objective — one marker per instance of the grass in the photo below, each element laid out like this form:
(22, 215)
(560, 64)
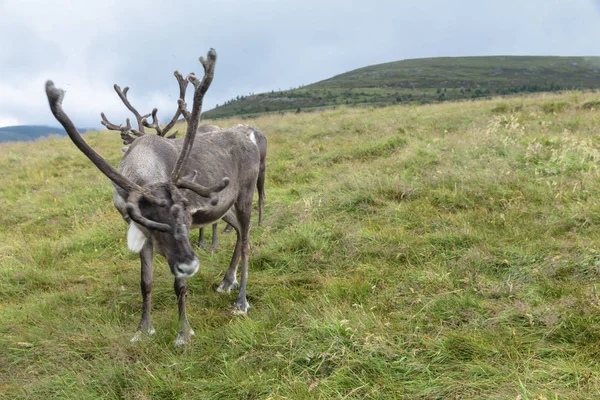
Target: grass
(436, 252)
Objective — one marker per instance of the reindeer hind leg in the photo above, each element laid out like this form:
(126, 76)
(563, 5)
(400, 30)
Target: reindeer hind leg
(260, 187)
(201, 242)
(215, 240)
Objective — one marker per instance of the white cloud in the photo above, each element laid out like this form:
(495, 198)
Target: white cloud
(85, 47)
(8, 121)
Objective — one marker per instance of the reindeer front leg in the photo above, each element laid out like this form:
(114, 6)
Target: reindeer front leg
(240, 220)
(146, 258)
(241, 304)
(185, 331)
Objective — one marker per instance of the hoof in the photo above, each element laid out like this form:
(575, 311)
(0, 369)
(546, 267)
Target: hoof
(184, 339)
(241, 307)
(140, 335)
(225, 287)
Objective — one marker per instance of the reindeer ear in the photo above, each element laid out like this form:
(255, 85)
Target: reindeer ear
(136, 239)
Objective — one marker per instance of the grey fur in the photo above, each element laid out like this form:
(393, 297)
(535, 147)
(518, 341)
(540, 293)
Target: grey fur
(261, 142)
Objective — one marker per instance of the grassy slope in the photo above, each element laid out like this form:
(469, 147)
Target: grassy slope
(427, 80)
(442, 251)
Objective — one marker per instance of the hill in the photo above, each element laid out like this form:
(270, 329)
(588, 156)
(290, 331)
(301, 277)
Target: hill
(426, 80)
(440, 251)
(24, 133)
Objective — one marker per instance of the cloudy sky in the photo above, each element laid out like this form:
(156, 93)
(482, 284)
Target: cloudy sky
(87, 46)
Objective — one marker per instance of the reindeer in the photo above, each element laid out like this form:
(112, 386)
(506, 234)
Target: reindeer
(261, 142)
(163, 187)
(127, 131)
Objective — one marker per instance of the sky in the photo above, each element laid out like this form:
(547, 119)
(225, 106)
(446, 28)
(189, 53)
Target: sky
(87, 46)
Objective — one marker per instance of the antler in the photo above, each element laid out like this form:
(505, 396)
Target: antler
(200, 88)
(183, 83)
(136, 193)
(125, 130)
(142, 120)
(155, 125)
(55, 98)
(203, 191)
(123, 95)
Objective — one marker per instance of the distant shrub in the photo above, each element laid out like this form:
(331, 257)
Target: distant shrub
(591, 105)
(504, 108)
(500, 108)
(554, 107)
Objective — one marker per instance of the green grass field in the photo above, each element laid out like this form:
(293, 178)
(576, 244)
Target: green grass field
(445, 251)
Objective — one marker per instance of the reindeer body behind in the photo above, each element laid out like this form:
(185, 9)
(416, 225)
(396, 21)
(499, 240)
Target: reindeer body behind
(227, 152)
(261, 141)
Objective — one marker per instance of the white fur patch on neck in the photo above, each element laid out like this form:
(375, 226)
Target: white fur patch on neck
(135, 238)
(251, 136)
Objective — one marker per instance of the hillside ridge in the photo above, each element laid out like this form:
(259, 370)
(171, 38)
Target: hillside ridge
(25, 133)
(423, 81)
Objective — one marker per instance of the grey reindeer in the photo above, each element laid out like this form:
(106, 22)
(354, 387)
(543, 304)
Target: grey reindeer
(163, 187)
(129, 134)
(261, 142)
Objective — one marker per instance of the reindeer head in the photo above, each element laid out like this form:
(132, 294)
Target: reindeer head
(157, 210)
(160, 213)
